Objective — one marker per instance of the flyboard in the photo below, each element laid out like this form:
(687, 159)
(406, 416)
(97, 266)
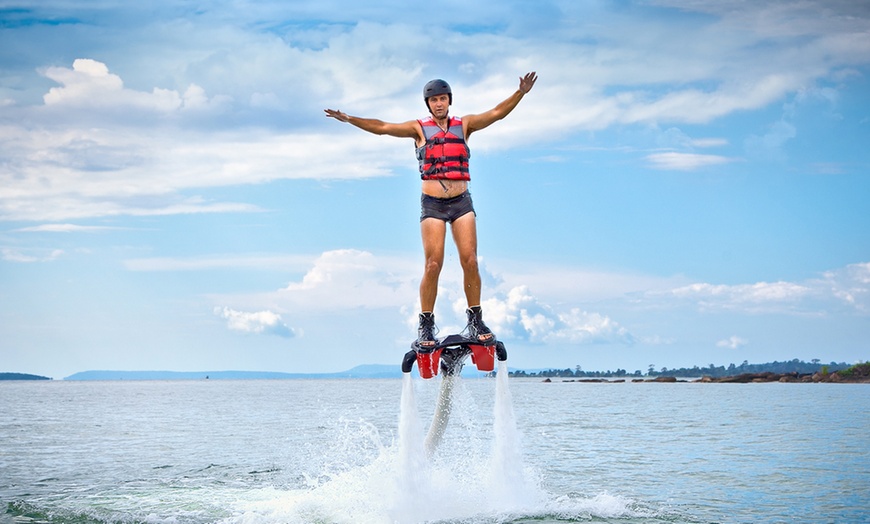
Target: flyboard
(449, 356)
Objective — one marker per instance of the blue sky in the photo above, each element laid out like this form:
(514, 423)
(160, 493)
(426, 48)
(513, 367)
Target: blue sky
(688, 182)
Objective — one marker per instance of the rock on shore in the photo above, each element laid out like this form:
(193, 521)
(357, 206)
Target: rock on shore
(745, 378)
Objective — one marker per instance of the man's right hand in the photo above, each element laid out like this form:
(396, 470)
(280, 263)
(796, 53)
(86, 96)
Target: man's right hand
(336, 114)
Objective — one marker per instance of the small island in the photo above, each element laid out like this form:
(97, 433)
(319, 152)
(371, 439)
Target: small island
(22, 376)
(857, 374)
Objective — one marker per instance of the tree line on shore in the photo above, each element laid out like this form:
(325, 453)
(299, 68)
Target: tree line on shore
(791, 366)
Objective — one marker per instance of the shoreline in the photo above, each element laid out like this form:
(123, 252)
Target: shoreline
(744, 378)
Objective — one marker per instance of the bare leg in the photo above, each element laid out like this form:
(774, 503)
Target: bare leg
(433, 232)
(464, 232)
(465, 235)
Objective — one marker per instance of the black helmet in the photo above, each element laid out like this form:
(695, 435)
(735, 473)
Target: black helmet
(436, 87)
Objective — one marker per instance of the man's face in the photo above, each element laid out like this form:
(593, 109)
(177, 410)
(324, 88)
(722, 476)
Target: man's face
(439, 104)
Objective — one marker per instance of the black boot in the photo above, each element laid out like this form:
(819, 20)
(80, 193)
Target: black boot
(476, 329)
(427, 331)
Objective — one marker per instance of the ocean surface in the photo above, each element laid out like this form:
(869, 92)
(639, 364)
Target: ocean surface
(351, 451)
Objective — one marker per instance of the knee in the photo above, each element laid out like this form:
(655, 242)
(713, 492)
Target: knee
(469, 263)
(433, 266)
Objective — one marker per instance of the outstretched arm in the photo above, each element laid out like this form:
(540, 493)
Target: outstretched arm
(477, 122)
(410, 129)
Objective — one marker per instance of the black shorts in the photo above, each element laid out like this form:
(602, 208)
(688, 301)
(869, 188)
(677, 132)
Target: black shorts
(446, 209)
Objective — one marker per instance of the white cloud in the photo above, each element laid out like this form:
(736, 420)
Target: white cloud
(521, 315)
(65, 228)
(350, 278)
(92, 92)
(89, 85)
(256, 323)
(563, 284)
(373, 63)
(733, 342)
(695, 106)
(256, 262)
(847, 287)
(344, 266)
(753, 293)
(781, 19)
(93, 172)
(585, 327)
(770, 144)
(14, 255)
(685, 161)
(102, 162)
(758, 297)
(708, 142)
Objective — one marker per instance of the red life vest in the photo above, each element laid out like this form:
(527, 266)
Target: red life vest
(445, 154)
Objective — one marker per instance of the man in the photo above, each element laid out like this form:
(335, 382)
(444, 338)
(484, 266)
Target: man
(442, 152)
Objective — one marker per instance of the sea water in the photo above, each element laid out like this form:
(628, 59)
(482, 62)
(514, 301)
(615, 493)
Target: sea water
(352, 451)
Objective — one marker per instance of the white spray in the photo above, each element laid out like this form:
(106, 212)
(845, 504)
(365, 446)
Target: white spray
(412, 486)
(502, 482)
(507, 482)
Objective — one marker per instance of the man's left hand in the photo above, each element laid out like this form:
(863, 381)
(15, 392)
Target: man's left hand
(527, 82)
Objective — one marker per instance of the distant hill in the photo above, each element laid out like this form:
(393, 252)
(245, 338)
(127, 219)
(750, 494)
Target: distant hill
(21, 376)
(364, 371)
(368, 371)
